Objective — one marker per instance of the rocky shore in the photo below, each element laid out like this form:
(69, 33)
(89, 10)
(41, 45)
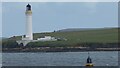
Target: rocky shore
(57, 49)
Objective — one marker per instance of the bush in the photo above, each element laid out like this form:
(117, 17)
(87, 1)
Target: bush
(10, 44)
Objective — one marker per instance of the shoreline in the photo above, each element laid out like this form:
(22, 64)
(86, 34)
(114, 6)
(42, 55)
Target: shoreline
(17, 50)
(56, 52)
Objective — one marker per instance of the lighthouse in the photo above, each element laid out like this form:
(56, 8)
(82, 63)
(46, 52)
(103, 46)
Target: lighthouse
(28, 37)
(28, 13)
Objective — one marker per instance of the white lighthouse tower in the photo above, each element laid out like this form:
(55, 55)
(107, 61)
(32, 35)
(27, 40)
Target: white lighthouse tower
(28, 13)
(28, 37)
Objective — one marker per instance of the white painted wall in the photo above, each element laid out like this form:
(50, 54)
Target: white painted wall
(29, 34)
(47, 38)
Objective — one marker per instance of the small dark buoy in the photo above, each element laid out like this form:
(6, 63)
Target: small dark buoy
(89, 61)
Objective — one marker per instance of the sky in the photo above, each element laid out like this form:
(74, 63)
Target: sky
(50, 16)
(0, 19)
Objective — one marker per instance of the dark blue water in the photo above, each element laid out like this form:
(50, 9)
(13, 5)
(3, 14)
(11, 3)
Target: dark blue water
(100, 58)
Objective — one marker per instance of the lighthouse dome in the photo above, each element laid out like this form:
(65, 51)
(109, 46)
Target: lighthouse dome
(28, 7)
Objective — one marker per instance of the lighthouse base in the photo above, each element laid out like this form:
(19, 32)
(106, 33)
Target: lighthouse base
(24, 42)
(89, 65)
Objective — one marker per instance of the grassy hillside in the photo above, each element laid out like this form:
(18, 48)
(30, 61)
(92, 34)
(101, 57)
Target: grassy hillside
(99, 35)
(75, 38)
(94, 39)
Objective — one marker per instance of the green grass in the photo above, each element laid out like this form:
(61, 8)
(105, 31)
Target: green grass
(77, 37)
(94, 36)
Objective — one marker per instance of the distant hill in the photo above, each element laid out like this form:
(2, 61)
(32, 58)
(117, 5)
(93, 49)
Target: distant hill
(78, 35)
(93, 38)
(103, 35)
(79, 29)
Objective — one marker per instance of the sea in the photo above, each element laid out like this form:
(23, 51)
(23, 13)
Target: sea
(99, 58)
